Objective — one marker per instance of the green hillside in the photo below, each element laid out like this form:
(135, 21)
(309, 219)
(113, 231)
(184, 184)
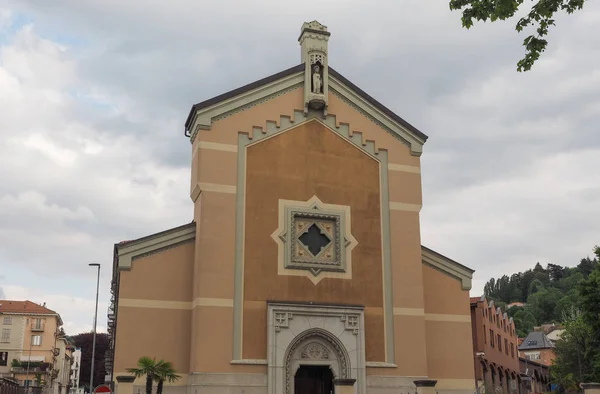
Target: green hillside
(549, 294)
(555, 294)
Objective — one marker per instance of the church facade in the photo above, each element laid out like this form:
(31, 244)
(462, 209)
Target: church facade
(302, 270)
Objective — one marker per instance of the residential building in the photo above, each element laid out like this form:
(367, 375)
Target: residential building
(28, 342)
(538, 347)
(555, 334)
(303, 262)
(495, 347)
(535, 377)
(75, 372)
(62, 366)
(12, 328)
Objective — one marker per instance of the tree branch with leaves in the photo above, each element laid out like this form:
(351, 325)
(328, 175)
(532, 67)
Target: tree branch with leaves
(541, 15)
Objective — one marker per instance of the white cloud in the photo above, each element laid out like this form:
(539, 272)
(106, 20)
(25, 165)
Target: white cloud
(5, 18)
(91, 128)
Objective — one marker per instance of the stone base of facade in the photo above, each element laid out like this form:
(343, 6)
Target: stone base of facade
(242, 383)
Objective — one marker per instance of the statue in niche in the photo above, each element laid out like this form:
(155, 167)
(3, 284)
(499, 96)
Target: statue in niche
(317, 79)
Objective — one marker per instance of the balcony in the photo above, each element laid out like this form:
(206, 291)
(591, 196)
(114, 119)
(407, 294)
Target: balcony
(31, 370)
(38, 326)
(34, 367)
(111, 312)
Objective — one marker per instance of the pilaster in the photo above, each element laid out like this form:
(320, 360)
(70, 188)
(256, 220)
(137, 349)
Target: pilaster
(343, 386)
(425, 386)
(124, 384)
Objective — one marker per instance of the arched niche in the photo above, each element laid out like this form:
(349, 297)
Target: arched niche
(315, 346)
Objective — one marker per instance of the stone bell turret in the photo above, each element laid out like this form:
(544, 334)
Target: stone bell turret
(313, 41)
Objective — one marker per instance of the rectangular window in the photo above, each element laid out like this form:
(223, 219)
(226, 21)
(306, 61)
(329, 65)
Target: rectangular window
(532, 356)
(36, 340)
(512, 350)
(492, 338)
(7, 320)
(5, 335)
(37, 324)
(506, 345)
(499, 342)
(3, 359)
(484, 336)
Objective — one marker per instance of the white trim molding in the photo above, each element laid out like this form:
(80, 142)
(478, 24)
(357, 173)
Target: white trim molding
(129, 251)
(338, 264)
(448, 267)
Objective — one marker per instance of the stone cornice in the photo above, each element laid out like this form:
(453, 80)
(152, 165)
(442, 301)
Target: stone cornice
(129, 251)
(448, 266)
(204, 114)
(204, 117)
(352, 98)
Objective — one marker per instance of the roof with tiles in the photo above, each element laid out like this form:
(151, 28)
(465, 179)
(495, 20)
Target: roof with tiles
(9, 306)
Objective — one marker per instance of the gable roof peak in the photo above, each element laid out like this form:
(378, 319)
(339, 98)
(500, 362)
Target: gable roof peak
(319, 83)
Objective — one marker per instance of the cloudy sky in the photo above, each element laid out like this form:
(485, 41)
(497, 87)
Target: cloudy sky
(94, 95)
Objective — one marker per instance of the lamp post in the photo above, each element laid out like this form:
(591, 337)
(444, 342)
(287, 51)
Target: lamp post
(27, 385)
(95, 321)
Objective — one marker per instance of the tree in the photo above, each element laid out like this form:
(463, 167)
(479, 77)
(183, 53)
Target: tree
(541, 15)
(146, 366)
(574, 353)
(165, 372)
(84, 341)
(535, 286)
(589, 296)
(556, 272)
(39, 381)
(587, 265)
(542, 304)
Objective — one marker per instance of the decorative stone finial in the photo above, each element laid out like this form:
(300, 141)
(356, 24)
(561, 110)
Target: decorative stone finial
(313, 41)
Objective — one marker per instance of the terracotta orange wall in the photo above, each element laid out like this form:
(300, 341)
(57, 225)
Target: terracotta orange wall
(487, 319)
(158, 332)
(217, 211)
(444, 294)
(165, 276)
(449, 343)
(48, 338)
(306, 161)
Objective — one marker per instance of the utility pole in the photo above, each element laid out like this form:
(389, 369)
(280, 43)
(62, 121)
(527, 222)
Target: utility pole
(28, 363)
(95, 321)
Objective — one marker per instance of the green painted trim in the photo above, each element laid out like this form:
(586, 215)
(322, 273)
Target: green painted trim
(287, 123)
(238, 290)
(130, 251)
(387, 258)
(448, 267)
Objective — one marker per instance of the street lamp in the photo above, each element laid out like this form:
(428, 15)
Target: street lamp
(95, 321)
(27, 385)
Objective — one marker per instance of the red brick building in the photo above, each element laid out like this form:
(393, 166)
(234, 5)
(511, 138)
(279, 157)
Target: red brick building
(495, 347)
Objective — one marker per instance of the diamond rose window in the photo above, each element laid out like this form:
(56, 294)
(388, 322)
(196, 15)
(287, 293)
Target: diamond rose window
(314, 239)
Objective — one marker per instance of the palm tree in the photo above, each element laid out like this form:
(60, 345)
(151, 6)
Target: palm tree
(164, 372)
(145, 366)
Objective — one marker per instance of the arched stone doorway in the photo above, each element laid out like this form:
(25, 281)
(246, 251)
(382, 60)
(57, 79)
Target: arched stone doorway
(315, 337)
(321, 355)
(313, 379)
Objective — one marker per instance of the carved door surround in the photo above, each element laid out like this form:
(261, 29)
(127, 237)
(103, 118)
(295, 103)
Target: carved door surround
(314, 334)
